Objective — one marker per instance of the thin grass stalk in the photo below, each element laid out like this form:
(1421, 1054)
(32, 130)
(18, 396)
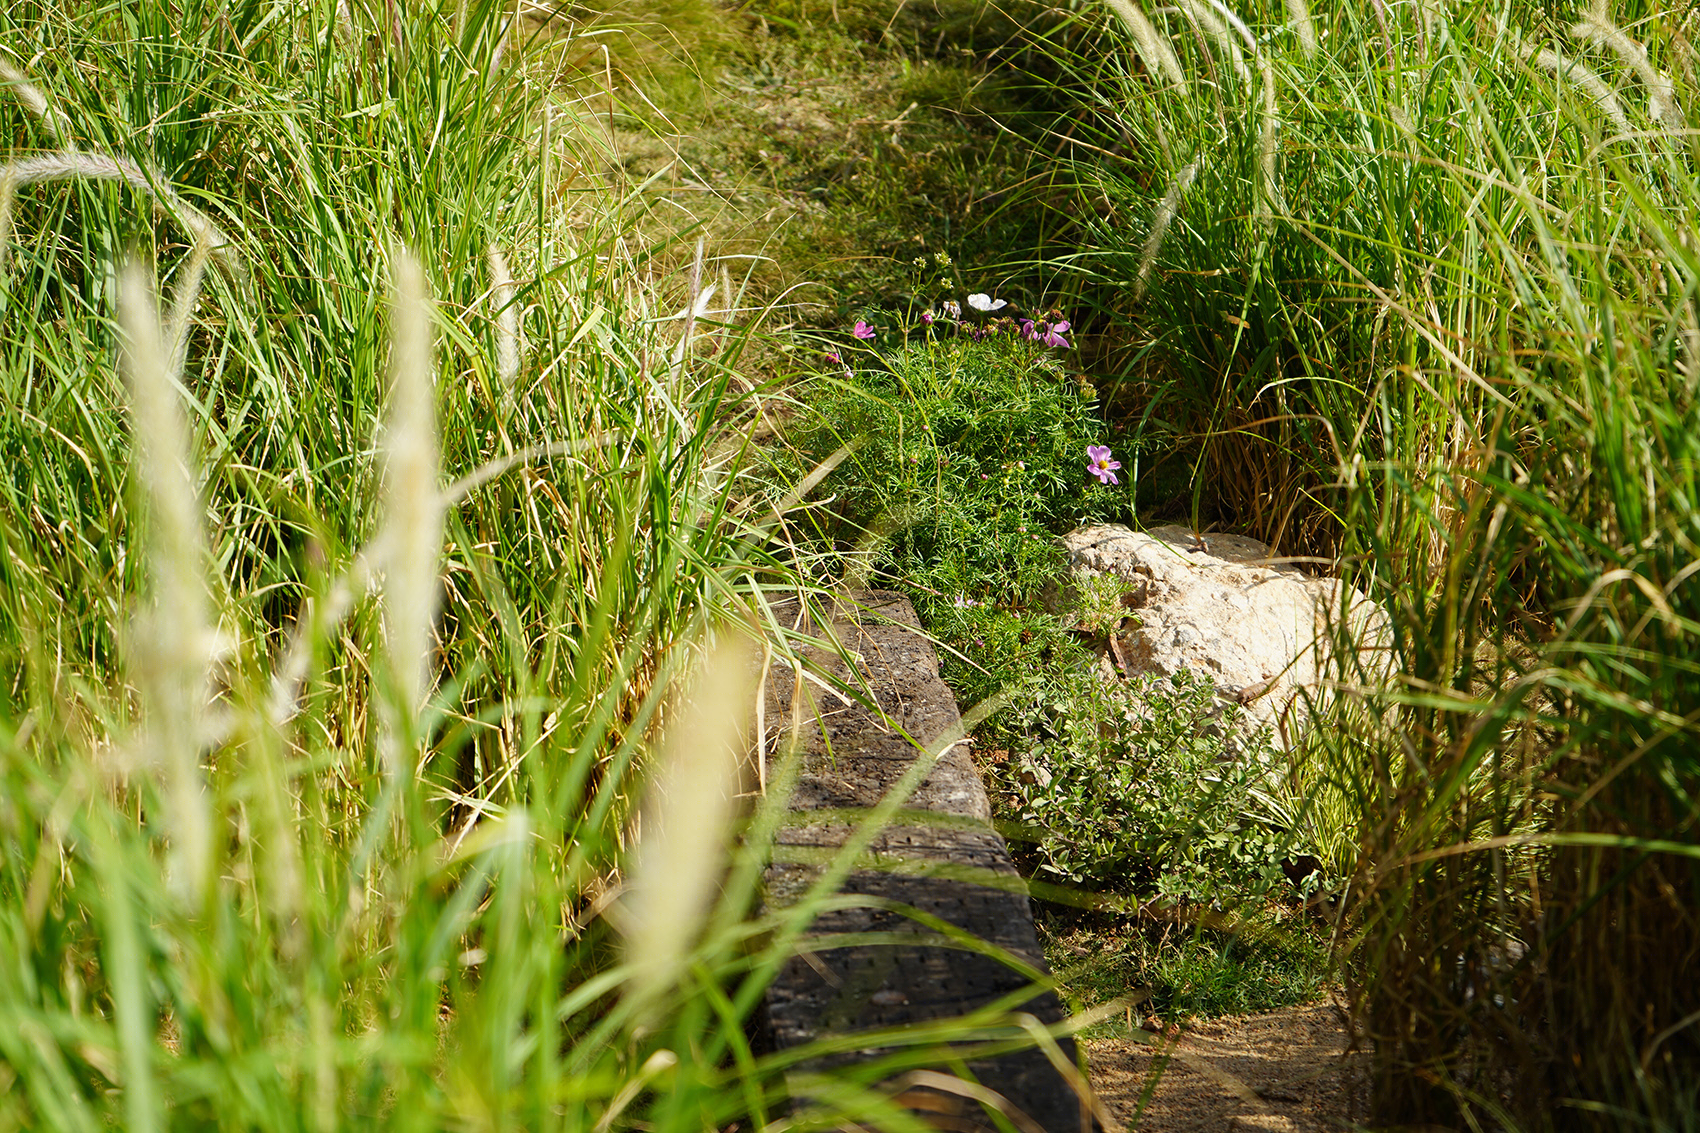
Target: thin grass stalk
(174, 643)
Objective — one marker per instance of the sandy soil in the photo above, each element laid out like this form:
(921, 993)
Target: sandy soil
(1288, 1072)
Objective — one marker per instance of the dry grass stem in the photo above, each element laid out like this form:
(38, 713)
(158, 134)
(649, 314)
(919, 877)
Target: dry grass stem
(174, 642)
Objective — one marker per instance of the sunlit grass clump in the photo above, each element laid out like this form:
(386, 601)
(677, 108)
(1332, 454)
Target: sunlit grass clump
(341, 602)
(1412, 287)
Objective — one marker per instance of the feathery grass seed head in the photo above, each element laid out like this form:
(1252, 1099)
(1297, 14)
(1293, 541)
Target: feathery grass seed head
(1298, 16)
(411, 539)
(1155, 50)
(1596, 27)
(687, 815)
(174, 643)
(1166, 210)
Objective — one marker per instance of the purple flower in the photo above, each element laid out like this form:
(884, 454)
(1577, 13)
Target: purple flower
(1054, 335)
(862, 330)
(1100, 465)
(833, 357)
(1028, 332)
(926, 318)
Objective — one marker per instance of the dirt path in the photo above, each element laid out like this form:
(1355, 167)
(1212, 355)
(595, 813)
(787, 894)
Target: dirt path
(1287, 1071)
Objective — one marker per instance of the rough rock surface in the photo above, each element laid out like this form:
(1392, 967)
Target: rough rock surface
(940, 855)
(1258, 626)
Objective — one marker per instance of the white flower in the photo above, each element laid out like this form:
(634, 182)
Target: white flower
(980, 301)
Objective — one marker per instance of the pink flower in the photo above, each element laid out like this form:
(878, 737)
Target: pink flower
(1100, 465)
(862, 330)
(833, 357)
(1054, 335)
(926, 318)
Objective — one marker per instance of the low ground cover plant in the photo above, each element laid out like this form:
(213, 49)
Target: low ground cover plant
(1148, 789)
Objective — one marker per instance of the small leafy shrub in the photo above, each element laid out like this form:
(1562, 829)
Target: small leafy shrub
(1145, 788)
(972, 454)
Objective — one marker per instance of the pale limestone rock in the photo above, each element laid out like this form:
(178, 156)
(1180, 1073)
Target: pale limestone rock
(1257, 626)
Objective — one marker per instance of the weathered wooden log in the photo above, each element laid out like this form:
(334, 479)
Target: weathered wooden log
(939, 856)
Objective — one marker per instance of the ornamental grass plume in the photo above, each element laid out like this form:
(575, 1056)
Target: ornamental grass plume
(33, 100)
(685, 826)
(411, 535)
(1298, 16)
(1596, 27)
(1213, 27)
(173, 644)
(1165, 214)
(74, 165)
(1587, 81)
(1155, 50)
(507, 327)
(1269, 197)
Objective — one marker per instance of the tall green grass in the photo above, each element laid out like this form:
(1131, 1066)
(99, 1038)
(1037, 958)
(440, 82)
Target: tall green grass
(346, 602)
(1413, 287)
